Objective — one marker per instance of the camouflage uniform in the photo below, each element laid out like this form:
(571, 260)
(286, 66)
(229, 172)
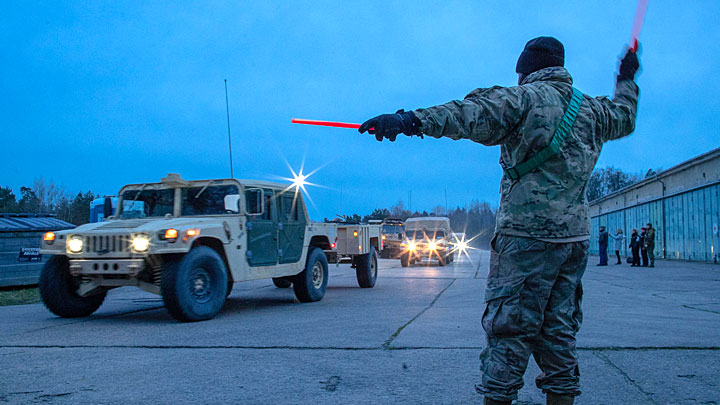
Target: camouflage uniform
(540, 250)
(650, 245)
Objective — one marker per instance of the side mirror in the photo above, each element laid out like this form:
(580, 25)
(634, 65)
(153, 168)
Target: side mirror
(232, 203)
(255, 202)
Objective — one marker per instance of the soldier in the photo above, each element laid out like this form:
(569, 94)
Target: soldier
(603, 242)
(550, 137)
(650, 243)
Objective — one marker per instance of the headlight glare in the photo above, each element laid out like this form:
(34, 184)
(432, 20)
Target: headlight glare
(140, 243)
(75, 244)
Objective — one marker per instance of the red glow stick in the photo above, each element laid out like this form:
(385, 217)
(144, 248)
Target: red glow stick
(325, 123)
(639, 18)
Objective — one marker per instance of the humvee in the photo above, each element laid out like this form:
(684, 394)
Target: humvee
(427, 238)
(189, 241)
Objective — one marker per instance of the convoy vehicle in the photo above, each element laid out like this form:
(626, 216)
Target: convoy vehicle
(427, 238)
(191, 240)
(393, 233)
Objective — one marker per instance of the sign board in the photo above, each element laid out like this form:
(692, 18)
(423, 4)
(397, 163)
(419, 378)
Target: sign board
(29, 255)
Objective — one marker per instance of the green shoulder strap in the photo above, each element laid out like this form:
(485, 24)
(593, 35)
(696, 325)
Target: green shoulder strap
(556, 143)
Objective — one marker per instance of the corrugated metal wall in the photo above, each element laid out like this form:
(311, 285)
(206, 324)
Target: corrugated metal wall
(686, 227)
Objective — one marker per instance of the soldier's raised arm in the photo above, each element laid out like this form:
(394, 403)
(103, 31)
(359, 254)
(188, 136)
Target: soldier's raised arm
(485, 116)
(617, 116)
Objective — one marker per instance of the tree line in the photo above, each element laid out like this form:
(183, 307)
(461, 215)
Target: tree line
(477, 219)
(48, 198)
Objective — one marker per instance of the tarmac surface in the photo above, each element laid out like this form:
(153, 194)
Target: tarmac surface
(650, 336)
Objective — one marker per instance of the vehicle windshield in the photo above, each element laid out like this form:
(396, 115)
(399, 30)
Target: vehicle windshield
(392, 229)
(419, 234)
(147, 203)
(206, 200)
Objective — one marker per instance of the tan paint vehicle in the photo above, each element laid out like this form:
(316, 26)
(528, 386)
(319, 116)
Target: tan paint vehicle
(427, 238)
(189, 241)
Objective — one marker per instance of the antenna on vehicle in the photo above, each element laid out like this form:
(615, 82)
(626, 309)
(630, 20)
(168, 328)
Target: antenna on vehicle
(227, 109)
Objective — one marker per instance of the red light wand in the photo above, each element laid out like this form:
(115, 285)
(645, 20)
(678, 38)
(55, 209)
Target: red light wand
(637, 26)
(325, 123)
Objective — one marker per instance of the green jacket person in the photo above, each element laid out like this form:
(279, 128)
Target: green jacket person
(550, 137)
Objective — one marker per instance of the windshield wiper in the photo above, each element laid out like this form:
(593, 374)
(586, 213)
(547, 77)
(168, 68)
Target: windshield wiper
(203, 189)
(137, 195)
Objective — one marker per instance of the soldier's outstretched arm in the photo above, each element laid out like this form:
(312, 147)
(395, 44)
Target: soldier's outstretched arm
(617, 116)
(486, 116)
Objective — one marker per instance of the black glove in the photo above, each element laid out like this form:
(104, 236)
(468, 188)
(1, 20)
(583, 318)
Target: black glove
(390, 125)
(629, 66)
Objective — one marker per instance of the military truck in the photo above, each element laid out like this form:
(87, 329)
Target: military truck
(393, 234)
(427, 238)
(191, 240)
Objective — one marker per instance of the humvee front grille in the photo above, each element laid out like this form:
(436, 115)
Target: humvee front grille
(103, 244)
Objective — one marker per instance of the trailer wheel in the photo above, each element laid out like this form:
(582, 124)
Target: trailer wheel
(194, 287)
(281, 282)
(58, 291)
(367, 269)
(405, 260)
(311, 283)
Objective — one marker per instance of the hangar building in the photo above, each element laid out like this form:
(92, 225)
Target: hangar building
(682, 203)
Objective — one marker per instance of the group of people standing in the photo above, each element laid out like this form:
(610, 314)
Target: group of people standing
(642, 244)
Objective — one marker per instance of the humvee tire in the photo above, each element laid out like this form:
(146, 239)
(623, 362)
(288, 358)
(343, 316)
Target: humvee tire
(57, 290)
(311, 283)
(405, 260)
(281, 282)
(193, 288)
(367, 268)
(442, 261)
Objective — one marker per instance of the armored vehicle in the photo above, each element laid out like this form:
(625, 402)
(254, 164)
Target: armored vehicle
(393, 234)
(427, 238)
(189, 241)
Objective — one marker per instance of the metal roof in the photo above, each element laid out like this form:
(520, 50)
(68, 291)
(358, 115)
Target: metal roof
(31, 222)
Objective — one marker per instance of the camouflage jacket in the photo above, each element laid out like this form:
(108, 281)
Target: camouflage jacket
(550, 201)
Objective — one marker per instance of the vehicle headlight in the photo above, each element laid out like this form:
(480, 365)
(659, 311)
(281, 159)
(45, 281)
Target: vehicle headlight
(412, 246)
(432, 245)
(75, 244)
(140, 243)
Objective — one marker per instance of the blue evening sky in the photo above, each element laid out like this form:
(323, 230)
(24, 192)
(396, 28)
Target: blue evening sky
(97, 94)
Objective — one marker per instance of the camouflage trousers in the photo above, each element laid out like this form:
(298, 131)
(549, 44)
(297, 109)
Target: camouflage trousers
(533, 298)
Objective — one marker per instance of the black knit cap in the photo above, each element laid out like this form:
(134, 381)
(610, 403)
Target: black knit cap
(540, 53)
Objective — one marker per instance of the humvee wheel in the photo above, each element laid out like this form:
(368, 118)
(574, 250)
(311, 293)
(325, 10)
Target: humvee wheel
(310, 285)
(58, 291)
(281, 282)
(194, 287)
(442, 261)
(366, 270)
(405, 260)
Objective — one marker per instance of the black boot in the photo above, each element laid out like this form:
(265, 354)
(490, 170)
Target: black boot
(557, 399)
(488, 401)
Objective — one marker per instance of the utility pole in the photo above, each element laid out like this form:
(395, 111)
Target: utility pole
(446, 204)
(227, 109)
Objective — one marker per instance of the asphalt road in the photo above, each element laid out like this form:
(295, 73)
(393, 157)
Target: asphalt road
(650, 336)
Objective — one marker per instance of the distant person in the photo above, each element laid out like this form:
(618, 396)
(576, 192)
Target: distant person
(603, 239)
(643, 246)
(619, 241)
(550, 136)
(635, 248)
(650, 244)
